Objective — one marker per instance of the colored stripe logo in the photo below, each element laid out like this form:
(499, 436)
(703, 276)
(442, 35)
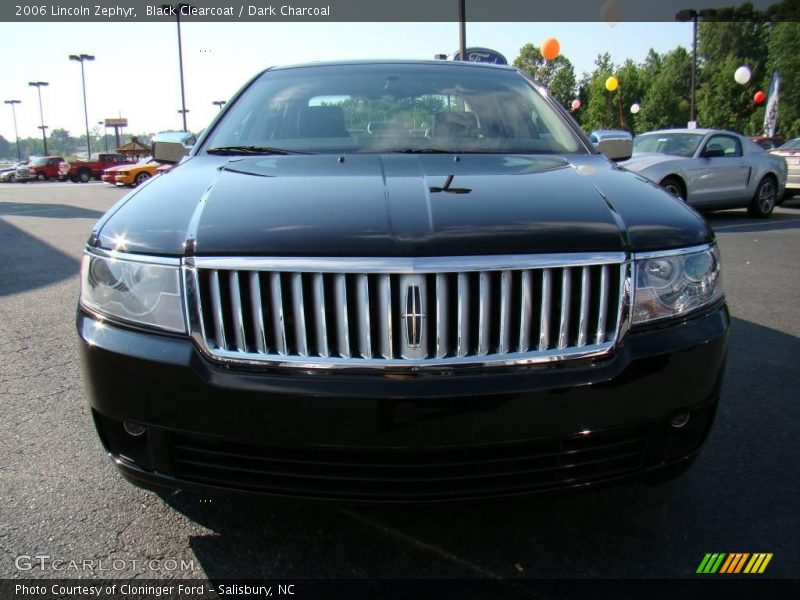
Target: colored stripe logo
(734, 562)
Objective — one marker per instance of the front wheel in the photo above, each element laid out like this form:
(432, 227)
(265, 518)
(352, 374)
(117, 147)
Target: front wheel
(763, 201)
(84, 176)
(141, 178)
(41, 177)
(674, 186)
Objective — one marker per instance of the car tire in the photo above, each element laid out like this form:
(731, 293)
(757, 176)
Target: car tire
(40, 177)
(12, 179)
(84, 176)
(74, 179)
(141, 178)
(765, 198)
(675, 187)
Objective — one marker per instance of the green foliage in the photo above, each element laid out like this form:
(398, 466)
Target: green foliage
(557, 75)
(784, 55)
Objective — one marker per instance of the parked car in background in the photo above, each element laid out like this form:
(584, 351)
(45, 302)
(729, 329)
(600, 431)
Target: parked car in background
(168, 149)
(86, 170)
(790, 152)
(9, 174)
(133, 175)
(309, 309)
(41, 168)
(767, 142)
(710, 169)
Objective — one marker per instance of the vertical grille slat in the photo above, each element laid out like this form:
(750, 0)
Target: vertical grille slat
(583, 322)
(299, 314)
(342, 324)
(544, 319)
(362, 307)
(278, 322)
(525, 317)
(504, 344)
(462, 340)
(600, 336)
(566, 292)
(216, 305)
(442, 316)
(556, 310)
(236, 310)
(385, 316)
(484, 311)
(320, 321)
(259, 331)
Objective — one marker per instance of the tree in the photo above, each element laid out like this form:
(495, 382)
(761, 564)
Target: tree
(601, 110)
(784, 50)
(666, 100)
(6, 149)
(557, 75)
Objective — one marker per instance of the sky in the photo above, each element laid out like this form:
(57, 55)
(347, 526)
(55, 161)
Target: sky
(135, 73)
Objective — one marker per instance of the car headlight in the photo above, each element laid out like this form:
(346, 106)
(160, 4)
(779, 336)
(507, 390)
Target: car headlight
(138, 292)
(674, 284)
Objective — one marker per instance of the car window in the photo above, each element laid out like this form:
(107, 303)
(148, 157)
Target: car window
(791, 145)
(394, 107)
(729, 145)
(676, 144)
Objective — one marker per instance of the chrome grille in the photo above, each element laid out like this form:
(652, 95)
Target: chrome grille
(408, 312)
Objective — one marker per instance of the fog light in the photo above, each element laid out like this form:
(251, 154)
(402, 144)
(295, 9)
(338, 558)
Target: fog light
(677, 421)
(135, 430)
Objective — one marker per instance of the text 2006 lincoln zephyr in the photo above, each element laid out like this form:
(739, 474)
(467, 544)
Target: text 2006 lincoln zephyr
(399, 282)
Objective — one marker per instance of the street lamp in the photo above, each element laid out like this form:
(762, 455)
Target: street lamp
(219, 103)
(81, 58)
(692, 15)
(39, 85)
(16, 135)
(105, 133)
(176, 8)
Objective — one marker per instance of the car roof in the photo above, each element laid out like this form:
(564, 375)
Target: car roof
(699, 131)
(440, 63)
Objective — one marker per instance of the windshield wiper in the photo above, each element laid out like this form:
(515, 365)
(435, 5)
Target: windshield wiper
(229, 150)
(420, 151)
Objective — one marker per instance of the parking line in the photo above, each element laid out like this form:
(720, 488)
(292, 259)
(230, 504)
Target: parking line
(756, 223)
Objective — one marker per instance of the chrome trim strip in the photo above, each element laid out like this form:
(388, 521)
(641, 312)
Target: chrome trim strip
(675, 252)
(544, 315)
(343, 323)
(404, 265)
(385, 314)
(603, 309)
(140, 258)
(484, 309)
(362, 308)
(442, 297)
(504, 343)
(462, 339)
(566, 293)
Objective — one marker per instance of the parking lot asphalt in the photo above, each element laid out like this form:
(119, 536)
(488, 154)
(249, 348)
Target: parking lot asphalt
(62, 498)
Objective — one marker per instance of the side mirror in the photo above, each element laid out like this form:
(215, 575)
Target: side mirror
(616, 149)
(170, 152)
(713, 153)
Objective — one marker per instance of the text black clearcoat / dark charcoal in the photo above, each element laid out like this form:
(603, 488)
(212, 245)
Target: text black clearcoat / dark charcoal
(400, 435)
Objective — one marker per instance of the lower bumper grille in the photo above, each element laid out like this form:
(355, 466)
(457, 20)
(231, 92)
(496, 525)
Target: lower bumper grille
(412, 475)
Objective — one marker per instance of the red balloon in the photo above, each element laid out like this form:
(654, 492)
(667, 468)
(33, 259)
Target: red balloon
(759, 97)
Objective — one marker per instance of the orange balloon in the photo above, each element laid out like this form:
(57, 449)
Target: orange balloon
(550, 48)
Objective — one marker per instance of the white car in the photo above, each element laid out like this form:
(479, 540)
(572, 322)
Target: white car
(710, 169)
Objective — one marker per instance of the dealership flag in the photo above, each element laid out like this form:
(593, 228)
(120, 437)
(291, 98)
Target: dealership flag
(771, 114)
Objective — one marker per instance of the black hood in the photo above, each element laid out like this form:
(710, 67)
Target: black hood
(398, 205)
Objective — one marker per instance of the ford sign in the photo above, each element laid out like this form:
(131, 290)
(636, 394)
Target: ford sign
(482, 55)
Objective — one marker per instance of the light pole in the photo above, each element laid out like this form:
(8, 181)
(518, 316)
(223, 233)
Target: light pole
(39, 85)
(176, 8)
(692, 15)
(105, 133)
(16, 135)
(81, 58)
(462, 18)
(219, 103)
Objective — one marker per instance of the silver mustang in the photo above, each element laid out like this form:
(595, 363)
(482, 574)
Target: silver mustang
(710, 169)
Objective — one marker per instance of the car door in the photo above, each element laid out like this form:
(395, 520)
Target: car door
(722, 172)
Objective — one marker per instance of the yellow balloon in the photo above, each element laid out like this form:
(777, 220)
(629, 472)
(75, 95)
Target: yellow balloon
(612, 83)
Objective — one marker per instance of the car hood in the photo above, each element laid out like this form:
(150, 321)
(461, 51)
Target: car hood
(645, 160)
(397, 205)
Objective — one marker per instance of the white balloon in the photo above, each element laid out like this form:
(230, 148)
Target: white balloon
(742, 75)
(635, 108)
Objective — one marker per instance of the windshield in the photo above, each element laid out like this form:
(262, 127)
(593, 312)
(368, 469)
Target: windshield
(676, 144)
(39, 161)
(393, 108)
(791, 145)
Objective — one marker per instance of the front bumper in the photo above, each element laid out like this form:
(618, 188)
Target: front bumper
(123, 179)
(380, 437)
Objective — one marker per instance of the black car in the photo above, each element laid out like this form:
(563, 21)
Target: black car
(399, 282)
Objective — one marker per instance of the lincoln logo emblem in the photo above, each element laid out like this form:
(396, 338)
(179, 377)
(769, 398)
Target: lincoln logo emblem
(413, 316)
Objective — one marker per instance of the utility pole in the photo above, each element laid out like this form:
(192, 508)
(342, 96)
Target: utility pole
(39, 85)
(16, 135)
(81, 58)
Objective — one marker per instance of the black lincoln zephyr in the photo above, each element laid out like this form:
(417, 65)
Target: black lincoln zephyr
(399, 282)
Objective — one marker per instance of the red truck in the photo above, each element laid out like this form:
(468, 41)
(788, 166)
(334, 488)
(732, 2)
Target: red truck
(41, 168)
(84, 170)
